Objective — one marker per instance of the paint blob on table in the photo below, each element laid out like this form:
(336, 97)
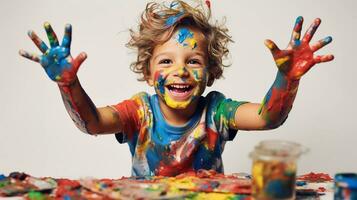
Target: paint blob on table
(203, 184)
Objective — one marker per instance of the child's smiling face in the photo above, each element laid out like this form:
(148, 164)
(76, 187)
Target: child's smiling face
(178, 68)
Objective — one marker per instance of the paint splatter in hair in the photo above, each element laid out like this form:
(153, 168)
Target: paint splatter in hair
(173, 4)
(208, 3)
(173, 19)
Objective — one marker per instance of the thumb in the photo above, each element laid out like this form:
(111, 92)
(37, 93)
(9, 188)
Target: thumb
(271, 46)
(79, 60)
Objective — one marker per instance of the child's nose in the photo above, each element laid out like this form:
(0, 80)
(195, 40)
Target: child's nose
(182, 71)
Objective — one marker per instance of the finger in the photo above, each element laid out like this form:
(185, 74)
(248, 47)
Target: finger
(295, 35)
(311, 31)
(321, 43)
(38, 42)
(79, 60)
(271, 46)
(324, 58)
(67, 38)
(31, 56)
(52, 37)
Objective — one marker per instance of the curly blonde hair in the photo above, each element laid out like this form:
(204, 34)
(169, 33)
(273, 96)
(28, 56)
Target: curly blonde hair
(159, 22)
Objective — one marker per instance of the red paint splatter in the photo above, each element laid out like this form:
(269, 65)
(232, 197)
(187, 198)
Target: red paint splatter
(315, 177)
(173, 169)
(66, 187)
(127, 110)
(211, 139)
(321, 189)
(212, 181)
(208, 3)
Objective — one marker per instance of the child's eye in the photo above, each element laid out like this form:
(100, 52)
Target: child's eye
(194, 62)
(165, 61)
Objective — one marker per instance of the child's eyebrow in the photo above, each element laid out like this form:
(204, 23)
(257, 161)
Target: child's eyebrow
(200, 53)
(161, 54)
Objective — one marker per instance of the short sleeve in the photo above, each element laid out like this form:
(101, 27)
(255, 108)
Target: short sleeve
(224, 110)
(129, 115)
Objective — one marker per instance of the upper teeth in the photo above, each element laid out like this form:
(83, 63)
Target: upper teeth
(180, 86)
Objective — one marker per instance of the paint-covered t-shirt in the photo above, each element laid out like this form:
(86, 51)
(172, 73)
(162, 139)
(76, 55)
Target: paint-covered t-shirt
(158, 148)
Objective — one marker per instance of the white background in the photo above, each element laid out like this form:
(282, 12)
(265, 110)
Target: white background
(38, 137)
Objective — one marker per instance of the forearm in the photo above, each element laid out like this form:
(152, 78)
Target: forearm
(80, 107)
(278, 101)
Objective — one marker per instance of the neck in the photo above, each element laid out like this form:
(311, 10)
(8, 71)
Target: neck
(178, 117)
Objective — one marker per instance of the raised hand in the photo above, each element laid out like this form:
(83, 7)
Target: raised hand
(57, 60)
(298, 57)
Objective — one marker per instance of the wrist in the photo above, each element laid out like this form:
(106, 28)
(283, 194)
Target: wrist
(69, 83)
(284, 82)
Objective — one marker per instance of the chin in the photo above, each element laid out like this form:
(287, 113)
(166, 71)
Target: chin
(177, 104)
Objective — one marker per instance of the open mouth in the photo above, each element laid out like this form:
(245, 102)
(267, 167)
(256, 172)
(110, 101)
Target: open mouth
(180, 90)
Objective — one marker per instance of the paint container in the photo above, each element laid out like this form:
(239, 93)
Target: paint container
(345, 186)
(274, 169)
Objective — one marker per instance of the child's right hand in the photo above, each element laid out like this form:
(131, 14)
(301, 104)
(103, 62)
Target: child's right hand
(57, 60)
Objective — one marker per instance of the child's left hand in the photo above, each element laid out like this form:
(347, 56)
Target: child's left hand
(298, 57)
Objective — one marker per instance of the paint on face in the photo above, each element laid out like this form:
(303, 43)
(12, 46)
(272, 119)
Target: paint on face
(185, 38)
(197, 77)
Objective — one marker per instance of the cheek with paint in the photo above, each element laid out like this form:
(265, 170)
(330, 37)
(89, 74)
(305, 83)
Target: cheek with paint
(200, 76)
(159, 83)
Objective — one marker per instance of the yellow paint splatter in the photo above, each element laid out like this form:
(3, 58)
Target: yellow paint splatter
(281, 61)
(176, 104)
(191, 42)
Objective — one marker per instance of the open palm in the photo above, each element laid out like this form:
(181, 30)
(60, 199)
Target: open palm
(298, 57)
(57, 60)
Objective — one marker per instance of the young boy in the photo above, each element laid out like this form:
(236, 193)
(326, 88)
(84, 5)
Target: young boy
(179, 54)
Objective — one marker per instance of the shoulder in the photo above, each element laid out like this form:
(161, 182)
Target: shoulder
(214, 98)
(140, 96)
(138, 101)
(215, 95)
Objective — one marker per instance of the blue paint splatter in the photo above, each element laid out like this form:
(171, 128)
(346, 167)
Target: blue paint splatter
(55, 62)
(173, 19)
(327, 40)
(161, 84)
(183, 34)
(173, 4)
(279, 189)
(301, 183)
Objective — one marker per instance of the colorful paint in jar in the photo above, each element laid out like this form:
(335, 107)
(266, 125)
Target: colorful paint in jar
(274, 169)
(345, 186)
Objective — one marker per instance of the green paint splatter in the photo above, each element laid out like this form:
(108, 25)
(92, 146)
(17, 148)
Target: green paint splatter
(33, 195)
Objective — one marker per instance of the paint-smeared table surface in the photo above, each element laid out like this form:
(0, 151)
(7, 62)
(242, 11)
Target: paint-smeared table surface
(200, 185)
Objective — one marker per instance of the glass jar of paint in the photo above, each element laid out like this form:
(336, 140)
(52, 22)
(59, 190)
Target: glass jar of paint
(345, 186)
(274, 169)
